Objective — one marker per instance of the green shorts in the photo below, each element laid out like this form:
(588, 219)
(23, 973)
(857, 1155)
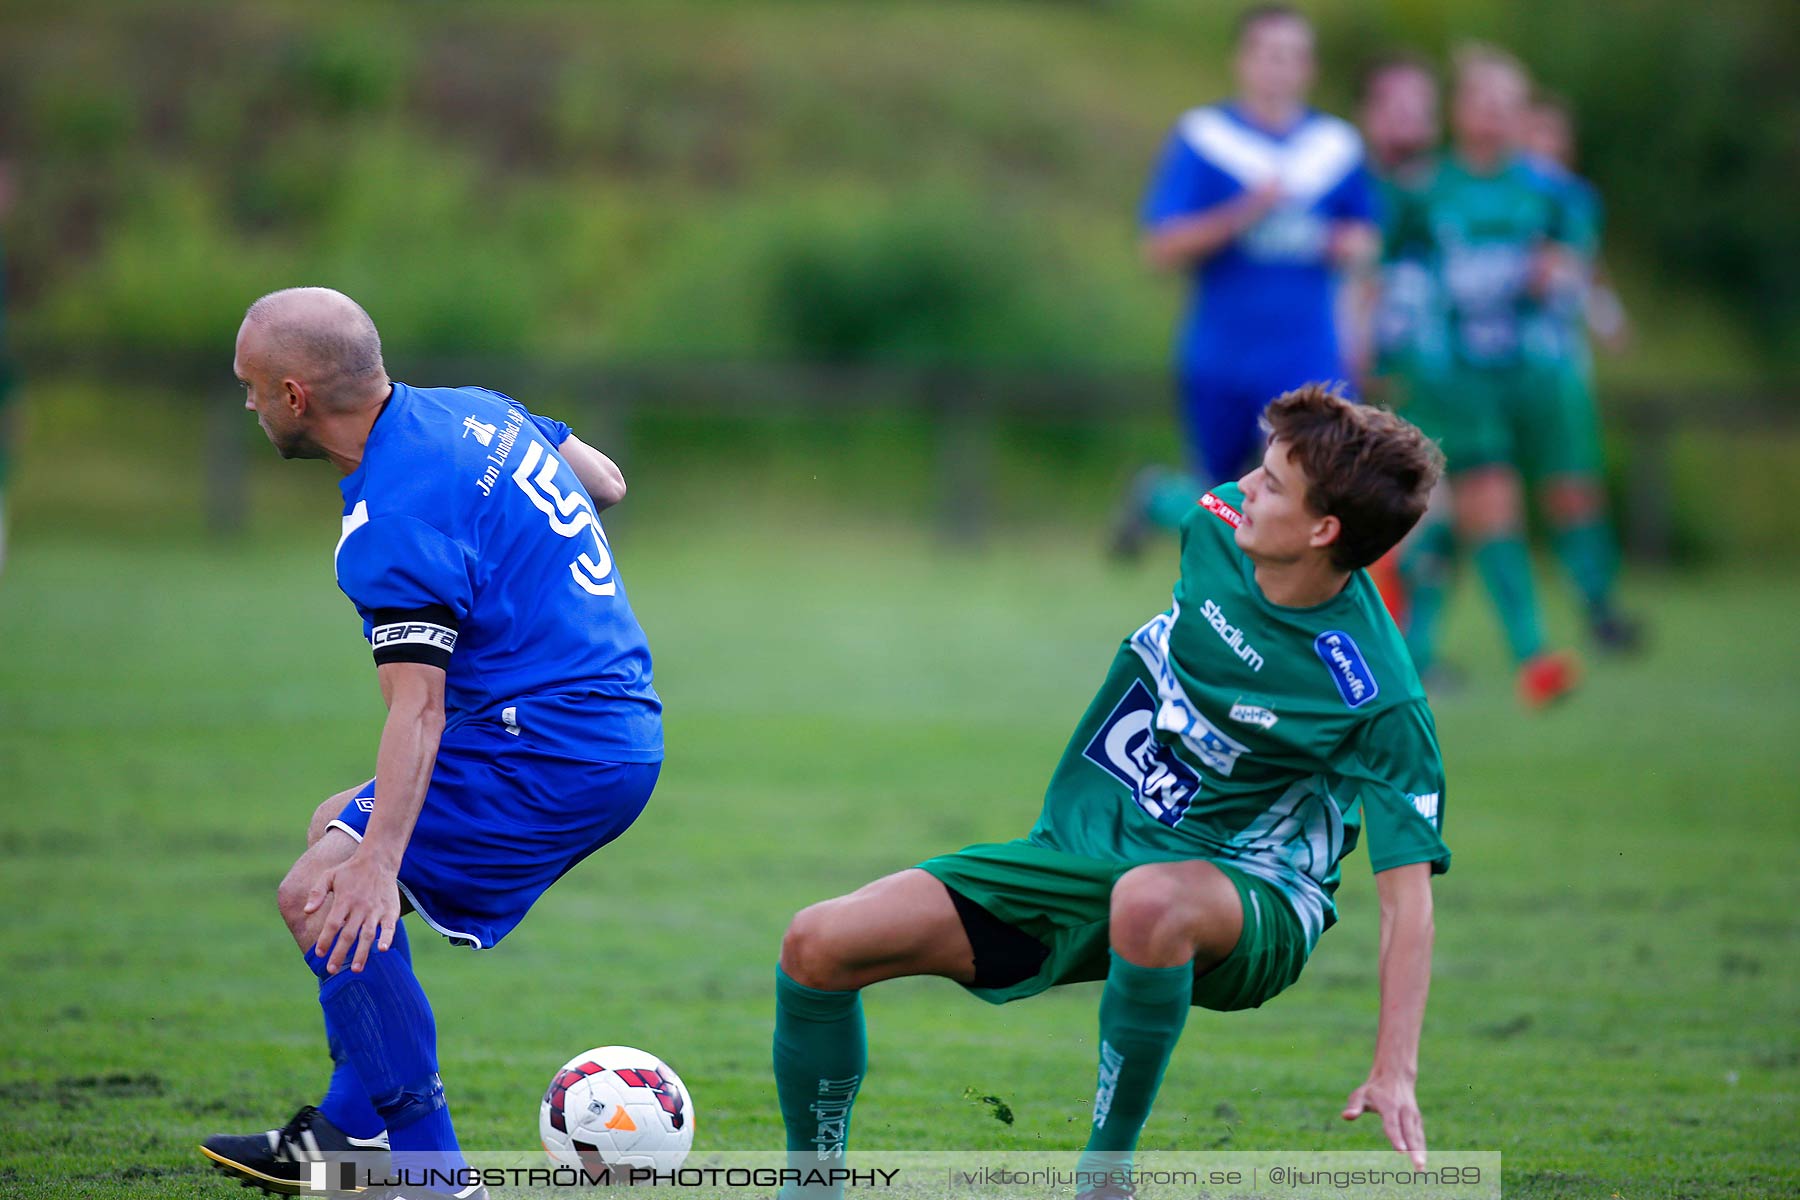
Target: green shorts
(1064, 901)
(1537, 418)
(1564, 424)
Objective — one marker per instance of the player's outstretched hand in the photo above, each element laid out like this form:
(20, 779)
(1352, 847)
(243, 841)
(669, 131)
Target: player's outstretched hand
(1393, 1099)
(364, 912)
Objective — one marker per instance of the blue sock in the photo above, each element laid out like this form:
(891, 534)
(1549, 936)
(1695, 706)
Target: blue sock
(346, 1103)
(384, 1023)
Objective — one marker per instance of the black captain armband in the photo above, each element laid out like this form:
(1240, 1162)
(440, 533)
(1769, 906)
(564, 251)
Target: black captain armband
(418, 635)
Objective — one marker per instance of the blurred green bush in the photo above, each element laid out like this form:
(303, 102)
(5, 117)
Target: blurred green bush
(897, 181)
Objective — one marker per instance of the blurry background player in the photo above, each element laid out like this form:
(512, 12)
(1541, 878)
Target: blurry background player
(1570, 480)
(1500, 242)
(1548, 140)
(1259, 200)
(522, 731)
(1398, 311)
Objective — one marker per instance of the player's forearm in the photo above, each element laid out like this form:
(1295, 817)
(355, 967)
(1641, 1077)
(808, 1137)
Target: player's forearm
(1406, 938)
(1184, 241)
(409, 745)
(1354, 245)
(1357, 322)
(604, 482)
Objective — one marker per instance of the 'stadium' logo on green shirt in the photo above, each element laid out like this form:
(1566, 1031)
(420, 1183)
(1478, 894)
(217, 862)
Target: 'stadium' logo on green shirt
(1230, 634)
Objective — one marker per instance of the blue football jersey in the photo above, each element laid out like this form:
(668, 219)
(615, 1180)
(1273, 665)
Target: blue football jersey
(469, 543)
(1267, 298)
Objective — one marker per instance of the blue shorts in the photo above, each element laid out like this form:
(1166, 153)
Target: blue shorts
(1221, 415)
(502, 821)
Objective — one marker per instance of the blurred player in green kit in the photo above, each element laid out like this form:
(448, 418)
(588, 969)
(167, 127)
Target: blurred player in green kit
(1503, 244)
(1188, 847)
(1570, 483)
(1399, 309)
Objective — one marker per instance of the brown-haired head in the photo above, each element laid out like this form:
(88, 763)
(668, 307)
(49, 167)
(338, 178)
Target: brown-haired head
(1274, 61)
(1365, 466)
(1257, 14)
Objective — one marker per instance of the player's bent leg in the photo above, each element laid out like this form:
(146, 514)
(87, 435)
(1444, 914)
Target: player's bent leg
(1168, 922)
(328, 812)
(345, 1123)
(332, 848)
(1168, 914)
(378, 1021)
(903, 924)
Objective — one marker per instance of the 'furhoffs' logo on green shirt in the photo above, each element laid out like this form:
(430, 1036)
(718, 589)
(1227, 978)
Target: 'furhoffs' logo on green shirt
(1349, 670)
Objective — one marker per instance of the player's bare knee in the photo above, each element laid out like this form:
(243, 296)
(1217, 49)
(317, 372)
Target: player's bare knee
(290, 899)
(1570, 501)
(1148, 906)
(325, 814)
(806, 952)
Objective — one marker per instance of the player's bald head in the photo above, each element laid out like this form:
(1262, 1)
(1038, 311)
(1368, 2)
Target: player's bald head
(320, 337)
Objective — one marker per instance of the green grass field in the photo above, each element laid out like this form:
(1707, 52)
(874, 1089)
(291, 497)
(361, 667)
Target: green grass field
(1616, 1005)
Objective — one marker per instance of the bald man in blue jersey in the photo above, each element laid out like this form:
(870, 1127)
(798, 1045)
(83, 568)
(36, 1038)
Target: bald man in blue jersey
(1260, 201)
(522, 733)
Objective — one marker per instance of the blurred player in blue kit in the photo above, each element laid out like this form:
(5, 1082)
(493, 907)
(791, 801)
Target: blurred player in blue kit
(1260, 201)
(522, 734)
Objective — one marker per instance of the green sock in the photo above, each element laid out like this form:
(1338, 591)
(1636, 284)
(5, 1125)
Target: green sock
(1142, 1011)
(1589, 556)
(1505, 567)
(1426, 568)
(820, 1056)
(1170, 496)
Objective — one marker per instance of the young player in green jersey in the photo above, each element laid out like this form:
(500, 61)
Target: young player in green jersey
(1187, 851)
(1500, 242)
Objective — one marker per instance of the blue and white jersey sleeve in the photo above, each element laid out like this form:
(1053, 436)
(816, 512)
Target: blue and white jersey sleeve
(409, 582)
(1184, 184)
(554, 431)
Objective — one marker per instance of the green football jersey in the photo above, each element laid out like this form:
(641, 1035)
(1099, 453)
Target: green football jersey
(1556, 336)
(1479, 233)
(1407, 322)
(1232, 728)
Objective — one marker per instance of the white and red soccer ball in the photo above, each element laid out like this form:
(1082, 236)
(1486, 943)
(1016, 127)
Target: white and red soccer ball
(619, 1107)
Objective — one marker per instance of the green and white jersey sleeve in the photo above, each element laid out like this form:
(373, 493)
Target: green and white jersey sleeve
(1234, 729)
(1392, 772)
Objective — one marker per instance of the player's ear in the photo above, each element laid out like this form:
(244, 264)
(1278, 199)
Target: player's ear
(294, 395)
(1325, 531)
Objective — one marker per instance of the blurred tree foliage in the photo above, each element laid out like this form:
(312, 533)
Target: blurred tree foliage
(897, 181)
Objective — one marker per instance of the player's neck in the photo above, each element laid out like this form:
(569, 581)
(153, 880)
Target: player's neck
(1482, 158)
(1274, 114)
(1397, 160)
(1302, 583)
(346, 436)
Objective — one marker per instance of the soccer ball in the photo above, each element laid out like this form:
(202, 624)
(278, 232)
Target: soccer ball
(616, 1106)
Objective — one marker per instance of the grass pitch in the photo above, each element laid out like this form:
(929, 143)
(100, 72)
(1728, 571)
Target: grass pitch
(1615, 998)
